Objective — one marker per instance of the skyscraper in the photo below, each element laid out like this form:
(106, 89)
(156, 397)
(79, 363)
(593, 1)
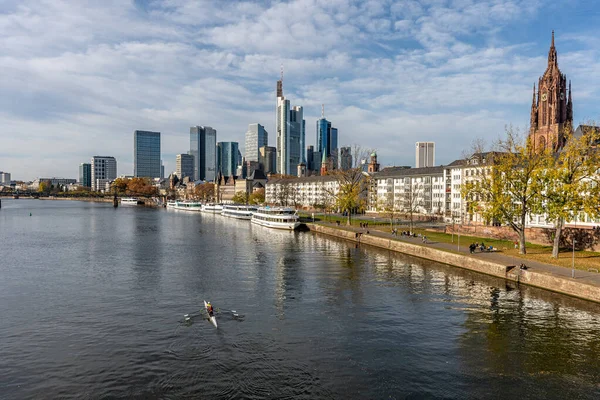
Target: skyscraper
(227, 154)
(310, 162)
(290, 134)
(327, 139)
(184, 166)
(203, 146)
(268, 159)
(256, 137)
(146, 154)
(345, 158)
(85, 175)
(425, 154)
(104, 169)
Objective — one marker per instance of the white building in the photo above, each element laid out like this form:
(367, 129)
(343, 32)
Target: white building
(308, 192)
(4, 178)
(425, 154)
(103, 169)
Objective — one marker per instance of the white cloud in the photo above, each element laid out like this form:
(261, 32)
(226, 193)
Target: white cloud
(80, 77)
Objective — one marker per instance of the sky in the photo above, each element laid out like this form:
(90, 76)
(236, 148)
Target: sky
(78, 77)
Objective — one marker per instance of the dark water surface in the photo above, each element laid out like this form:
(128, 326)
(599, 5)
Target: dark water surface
(91, 300)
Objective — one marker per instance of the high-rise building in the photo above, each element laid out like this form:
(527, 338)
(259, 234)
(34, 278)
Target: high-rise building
(268, 159)
(552, 108)
(345, 158)
(146, 154)
(85, 175)
(184, 166)
(104, 169)
(227, 154)
(256, 137)
(291, 130)
(4, 178)
(424, 154)
(310, 162)
(327, 139)
(203, 146)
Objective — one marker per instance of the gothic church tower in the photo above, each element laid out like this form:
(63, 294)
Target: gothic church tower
(552, 107)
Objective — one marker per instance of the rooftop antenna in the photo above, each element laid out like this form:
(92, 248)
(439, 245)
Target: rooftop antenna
(322, 110)
(281, 72)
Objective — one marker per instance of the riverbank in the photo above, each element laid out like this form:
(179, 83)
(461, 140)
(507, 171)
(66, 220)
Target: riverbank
(149, 202)
(585, 285)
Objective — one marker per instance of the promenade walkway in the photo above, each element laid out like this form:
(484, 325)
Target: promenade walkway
(591, 278)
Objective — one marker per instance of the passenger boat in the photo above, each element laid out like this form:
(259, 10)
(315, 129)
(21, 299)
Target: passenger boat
(185, 205)
(276, 217)
(212, 208)
(131, 201)
(239, 211)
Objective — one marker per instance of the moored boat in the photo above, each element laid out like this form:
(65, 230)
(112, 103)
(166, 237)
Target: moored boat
(212, 208)
(239, 211)
(185, 205)
(131, 201)
(276, 217)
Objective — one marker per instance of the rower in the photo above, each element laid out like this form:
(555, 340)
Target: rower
(209, 309)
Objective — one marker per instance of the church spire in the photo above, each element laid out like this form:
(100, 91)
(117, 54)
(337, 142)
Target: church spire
(552, 52)
(534, 110)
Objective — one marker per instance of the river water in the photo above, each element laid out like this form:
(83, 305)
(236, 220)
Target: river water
(92, 300)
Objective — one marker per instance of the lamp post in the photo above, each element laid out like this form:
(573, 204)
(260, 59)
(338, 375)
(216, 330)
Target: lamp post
(573, 259)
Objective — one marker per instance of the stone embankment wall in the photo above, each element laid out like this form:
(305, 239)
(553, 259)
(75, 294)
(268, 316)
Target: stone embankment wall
(538, 279)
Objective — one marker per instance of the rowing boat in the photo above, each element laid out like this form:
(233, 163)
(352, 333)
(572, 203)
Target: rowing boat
(211, 317)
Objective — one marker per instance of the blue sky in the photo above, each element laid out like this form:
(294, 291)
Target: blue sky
(78, 77)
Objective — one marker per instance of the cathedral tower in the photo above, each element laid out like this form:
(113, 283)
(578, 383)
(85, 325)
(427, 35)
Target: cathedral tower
(551, 107)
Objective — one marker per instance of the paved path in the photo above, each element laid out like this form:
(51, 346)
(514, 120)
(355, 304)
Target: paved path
(591, 278)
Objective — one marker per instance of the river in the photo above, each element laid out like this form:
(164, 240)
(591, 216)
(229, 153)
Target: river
(92, 300)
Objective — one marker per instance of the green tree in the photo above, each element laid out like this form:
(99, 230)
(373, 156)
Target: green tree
(44, 187)
(257, 197)
(240, 197)
(512, 186)
(570, 185)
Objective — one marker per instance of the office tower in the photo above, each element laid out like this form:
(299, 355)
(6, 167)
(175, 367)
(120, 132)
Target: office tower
(256, 137)
(290, 134)
(104, 169)
(309, 158)
(268, 159)
(4, 178)
(227, 154)
(184, 166)
(146, 154)
(85, 175)
(327, 139)
(425, 154)
(345, 158)
(203, 146)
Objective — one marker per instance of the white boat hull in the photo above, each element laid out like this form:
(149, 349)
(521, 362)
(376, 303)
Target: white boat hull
(289, 226)
(213, 319)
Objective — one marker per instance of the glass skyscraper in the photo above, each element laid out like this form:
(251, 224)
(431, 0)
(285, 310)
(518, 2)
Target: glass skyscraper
(227, 154)
(203, 146)
(146, 154)
(85, 174)
(256, 137)
(327, 139)
(290, 127)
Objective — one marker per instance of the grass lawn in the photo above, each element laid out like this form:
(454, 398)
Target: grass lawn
(584, 260)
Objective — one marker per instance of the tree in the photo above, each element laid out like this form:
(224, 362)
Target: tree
(388, 209)
(141, 187)
(353, 186)
(413, 201)
(120, 185)
(240, 197)
(569, 183)
(44, 187)
(257, 197)
(205, 191)
(509, 189)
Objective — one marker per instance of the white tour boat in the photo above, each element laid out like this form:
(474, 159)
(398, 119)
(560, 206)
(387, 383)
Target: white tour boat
(212, 208)
(130, 201)
(185, 205)
(276, 217)
(239, 211)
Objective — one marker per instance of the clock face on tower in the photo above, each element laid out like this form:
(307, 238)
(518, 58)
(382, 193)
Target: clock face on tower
(544, 97)
(562, 96)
